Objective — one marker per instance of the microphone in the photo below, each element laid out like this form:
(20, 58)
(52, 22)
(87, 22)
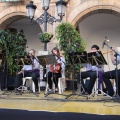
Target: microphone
(104, 42)
(32, 56)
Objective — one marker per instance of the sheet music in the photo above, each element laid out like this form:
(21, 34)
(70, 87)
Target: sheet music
(22, 60)
(78, 57)
(27, 67)
(47, 59)
(96, 59)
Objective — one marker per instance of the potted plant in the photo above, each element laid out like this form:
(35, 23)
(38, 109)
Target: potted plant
(45, 37)
(12, 45)
(69, 41)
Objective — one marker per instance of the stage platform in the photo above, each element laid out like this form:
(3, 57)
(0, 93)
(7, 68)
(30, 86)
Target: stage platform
(60, 103)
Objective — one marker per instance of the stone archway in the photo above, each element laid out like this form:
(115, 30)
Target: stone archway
(88, 8)
(8, 20)
(12, 14)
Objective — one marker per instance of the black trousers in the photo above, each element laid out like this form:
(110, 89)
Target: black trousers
(55, 77)
(18, 80)
(111, 75)
(83, 75)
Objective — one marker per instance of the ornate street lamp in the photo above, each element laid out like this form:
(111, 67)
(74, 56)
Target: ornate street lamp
(31, 10)
(46, 17)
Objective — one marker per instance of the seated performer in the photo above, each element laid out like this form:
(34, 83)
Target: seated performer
(112, 74)
(56, 71)
(91, 71)
(29, 71)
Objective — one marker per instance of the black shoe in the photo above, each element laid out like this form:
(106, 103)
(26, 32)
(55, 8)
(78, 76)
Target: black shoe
(18, 92)
(85, 94)
(99, 92)
(111, 94)
(50, 91)
(3, 89)
(15, 91)
(36, 91)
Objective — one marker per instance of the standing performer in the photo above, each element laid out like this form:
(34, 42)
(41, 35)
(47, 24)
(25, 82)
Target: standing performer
(29, 71)
(56, 71)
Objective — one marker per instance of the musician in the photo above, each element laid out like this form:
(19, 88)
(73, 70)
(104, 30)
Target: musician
(91, 72)
(29, 71)
(112, 74)
(56, 71)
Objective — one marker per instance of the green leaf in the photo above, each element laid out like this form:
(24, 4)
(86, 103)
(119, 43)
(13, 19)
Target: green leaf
(69, 40)
(10, 43)
(45, 37)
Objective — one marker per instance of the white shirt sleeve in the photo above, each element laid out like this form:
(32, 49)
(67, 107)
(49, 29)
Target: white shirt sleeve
(36, 64)
(62, 61)
(27, 67)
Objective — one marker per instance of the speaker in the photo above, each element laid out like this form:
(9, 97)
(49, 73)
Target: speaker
(10, 83)
(69, 85)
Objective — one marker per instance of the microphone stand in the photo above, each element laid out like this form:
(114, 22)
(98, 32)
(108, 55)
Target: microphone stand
(73, 77)
(46, 94)
(116, 70)
(33, 57)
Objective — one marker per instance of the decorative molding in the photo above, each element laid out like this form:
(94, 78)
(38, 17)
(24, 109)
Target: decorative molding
(11, 0)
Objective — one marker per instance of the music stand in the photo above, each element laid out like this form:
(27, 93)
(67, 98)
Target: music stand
(96, 59)
(83, 59)
(46, 60)
(23, 61)
(77, 58)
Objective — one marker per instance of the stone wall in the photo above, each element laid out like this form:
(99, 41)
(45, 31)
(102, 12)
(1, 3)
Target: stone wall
(77, 10)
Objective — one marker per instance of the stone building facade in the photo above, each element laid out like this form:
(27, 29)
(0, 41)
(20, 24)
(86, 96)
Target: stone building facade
(76, 11)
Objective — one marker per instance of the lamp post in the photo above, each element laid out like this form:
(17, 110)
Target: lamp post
(46, 17)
